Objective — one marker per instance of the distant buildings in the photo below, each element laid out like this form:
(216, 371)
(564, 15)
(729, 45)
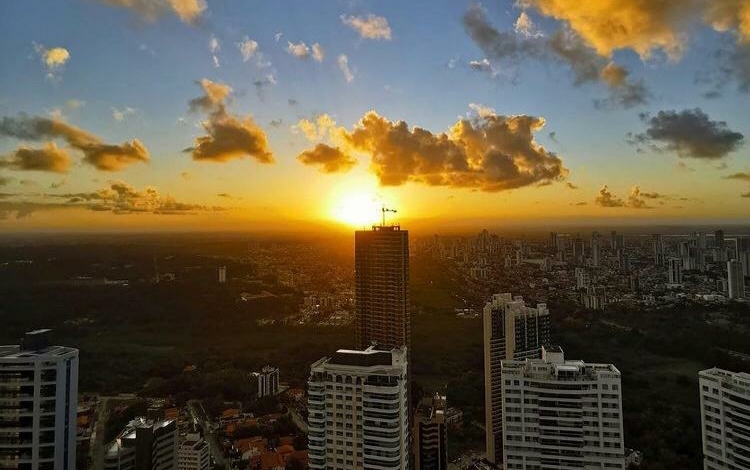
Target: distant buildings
(594, 297)
(193, 454)
(658, 241)
(725, 419)
(381, 265)
(222, 274)
(735, 280)
(268, 382)
(38, 404)
(512, 330)
(358, 410)
(561, 414)
(430, 435)
(144, 445)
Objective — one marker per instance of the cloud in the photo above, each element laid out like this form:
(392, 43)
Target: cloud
(343, 63)
(581, 203)
(292, 102)
(564, 46)
(48, 158)
(228, 136)
(730, 15)
(119, 115)
(369, 27)
(330, 159)
(188, 11)
(690, 133)
(492, 153)
(260, 84)
(186, 175)
(247, 48)
(481, 110)
(53, 58)
(322, 127)
(277, 37)
(5, 180)
(739, 176)
(571, 185)
(526, 27)
(103, 156)
(75, 104)
(606, 199)
(747, 194)
(214, 46)
(552, 136)
(317, 52)
(276, 123)
(302, 51)
(636, 200)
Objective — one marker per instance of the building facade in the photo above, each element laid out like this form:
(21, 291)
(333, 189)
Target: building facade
(358, 410)
(561, 414)
(38, 404)
(430, 434)
(725, 419)
(268, 382)
(512, 330)
(144, 445)
(675, 271)
(381, 265)
(193, 454)
(735, 280)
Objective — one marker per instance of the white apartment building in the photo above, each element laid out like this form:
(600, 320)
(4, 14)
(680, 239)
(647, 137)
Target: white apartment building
(268, 382)
(38, 404)
(725, 419)
(144, 445)
(512, 330)
(358, 410)
(193, 454)
(561, 414)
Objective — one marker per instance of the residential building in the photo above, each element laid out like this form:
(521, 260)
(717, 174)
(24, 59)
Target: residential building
(674, 271)
(430, 436)
(735, 280)
(595, 297)
(193, 453)
(381, 265)
(358, 410)
(38, 404)
(725, 419)
(512, 330)
(561, 414)
(268, 382)
(658, 242)
(719, 239)
(144, 445)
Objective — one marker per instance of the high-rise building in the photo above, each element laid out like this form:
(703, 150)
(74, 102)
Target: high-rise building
(268, 381)
(658, 242)
(595, 249)
(430, 436)
(613, 240)
(719, 239)
(193, 454)
(553, 240)
(222, 274)
(358, 410)
(579, 250)
(725, 419)
(144, 445)
(38, 404)
(561, 414)
(745, 262)
(675, 271)
(735, 279)
(381, 265)
(512, 330)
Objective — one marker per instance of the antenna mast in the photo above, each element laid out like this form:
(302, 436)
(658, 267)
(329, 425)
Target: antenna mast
(383, 210)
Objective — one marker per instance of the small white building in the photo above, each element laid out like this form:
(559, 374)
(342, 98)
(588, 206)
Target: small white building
(193, 454)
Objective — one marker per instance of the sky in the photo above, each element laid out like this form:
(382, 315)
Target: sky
(242, 115)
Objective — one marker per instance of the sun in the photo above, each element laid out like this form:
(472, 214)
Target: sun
(357, 209)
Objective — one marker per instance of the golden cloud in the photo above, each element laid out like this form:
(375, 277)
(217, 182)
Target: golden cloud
(103, 156)
(369, 27)
(330, 159)
(48, 158)
(188, 11)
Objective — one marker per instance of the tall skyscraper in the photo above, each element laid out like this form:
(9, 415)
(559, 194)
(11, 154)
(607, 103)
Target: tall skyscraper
(725, 419)
(358, 410)
(719, 239)
(561, 414)
(268, 381)
(658, 242)
(512, 330)
(381, 266)
(579, 250)
(595, 249)
(144, 445)
(735, 279)
(430, 434)
(675, 271)
(222, 274)
(39, 382)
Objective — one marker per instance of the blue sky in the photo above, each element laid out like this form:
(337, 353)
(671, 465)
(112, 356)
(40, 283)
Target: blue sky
(148, 69)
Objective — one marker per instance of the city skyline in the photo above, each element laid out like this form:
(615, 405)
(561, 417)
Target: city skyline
(237, 116)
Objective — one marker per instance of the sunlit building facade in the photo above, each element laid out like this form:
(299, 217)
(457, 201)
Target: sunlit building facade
(38, 404)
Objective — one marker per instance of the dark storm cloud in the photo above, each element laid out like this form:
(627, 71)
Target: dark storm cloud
(689, 133)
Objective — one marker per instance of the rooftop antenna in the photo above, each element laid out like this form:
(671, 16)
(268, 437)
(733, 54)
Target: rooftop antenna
(383, 210)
